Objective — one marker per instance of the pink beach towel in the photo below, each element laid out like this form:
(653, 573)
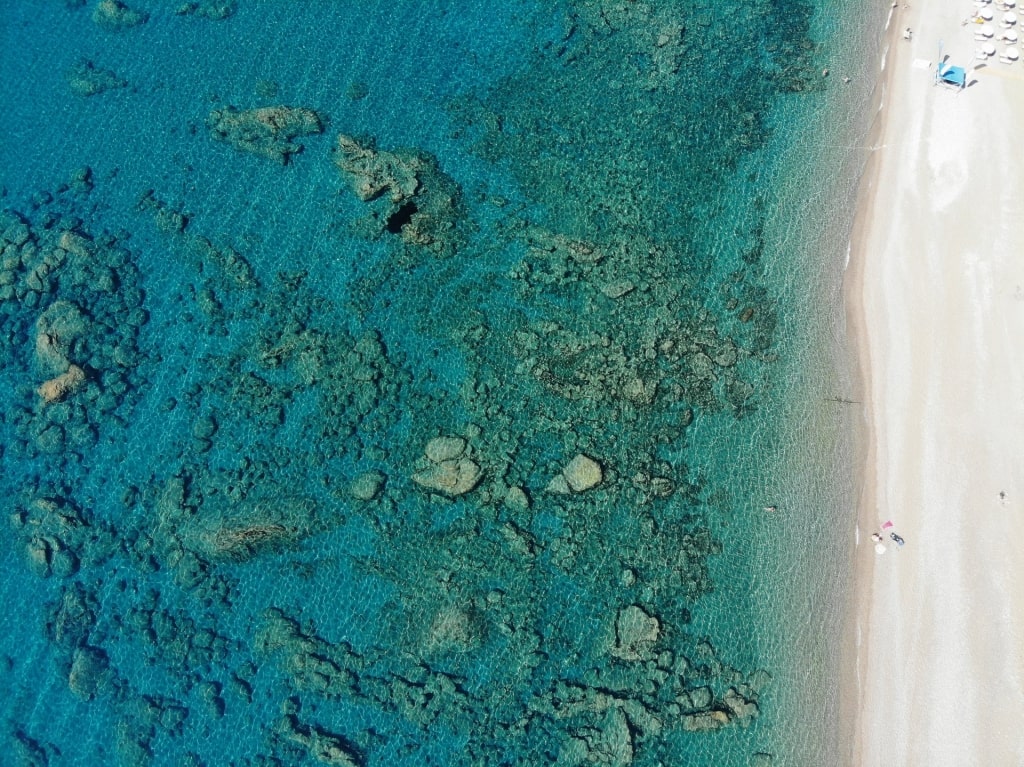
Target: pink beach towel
(886, 525)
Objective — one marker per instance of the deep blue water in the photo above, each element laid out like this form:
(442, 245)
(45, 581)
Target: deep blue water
(254, 266)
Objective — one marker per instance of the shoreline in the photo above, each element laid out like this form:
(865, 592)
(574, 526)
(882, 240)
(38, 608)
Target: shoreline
(928, 638)
(858, 350)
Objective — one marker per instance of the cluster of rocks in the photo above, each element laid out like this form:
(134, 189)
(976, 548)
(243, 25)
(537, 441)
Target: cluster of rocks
(411, 196)
(268, 132)
(195, 653)
(57, 537)
(357, 382)
(78, 301)
(72, 629)
(377, 676)
(221, 268)
(87, 79)
(624, 356)
(193, 647)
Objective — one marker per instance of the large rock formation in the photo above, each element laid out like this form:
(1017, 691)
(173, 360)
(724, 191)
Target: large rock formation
(410, 194)
(373, 172)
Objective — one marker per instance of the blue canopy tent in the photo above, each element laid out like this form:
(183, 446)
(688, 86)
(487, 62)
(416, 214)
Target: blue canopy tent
(947, 74)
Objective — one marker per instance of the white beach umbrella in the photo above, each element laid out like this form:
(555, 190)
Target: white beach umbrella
(1010, 36)
(987, 31)
(1010, 18)
(1012, 54)
(986, 13)
(988, 49)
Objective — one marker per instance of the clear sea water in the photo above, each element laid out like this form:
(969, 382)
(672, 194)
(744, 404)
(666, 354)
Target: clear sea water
(621, 234)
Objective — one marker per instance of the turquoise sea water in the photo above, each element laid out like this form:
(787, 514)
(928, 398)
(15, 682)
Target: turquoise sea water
(403, 383)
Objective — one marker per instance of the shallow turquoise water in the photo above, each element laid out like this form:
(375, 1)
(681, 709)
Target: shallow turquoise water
(601, 229)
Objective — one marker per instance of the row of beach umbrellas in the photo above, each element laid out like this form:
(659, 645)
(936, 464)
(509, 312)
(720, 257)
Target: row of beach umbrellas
(1010, 54)
(1008, 19)
(986, 34)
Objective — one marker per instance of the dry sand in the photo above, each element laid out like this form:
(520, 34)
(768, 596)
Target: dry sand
(936, 297)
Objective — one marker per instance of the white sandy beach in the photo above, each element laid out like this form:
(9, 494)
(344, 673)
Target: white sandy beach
(936, 297)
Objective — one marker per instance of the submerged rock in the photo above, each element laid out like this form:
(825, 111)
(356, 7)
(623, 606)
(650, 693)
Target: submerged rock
(635, 633)
(452, 477)
(742, 710)
(705, 721)
(86, 79)
(454, 628)
(610, 744)
(58, 327)
(265, 131)
(516, 498)
(242, 542)
(55, 389)
(446, 468)
(558, 485)
(28, 752)
(618, 288)
(367, 486)
(580, 474)
(116, 15)
(89, 672)
(323, 746)
(215, 10)
(441, 449)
